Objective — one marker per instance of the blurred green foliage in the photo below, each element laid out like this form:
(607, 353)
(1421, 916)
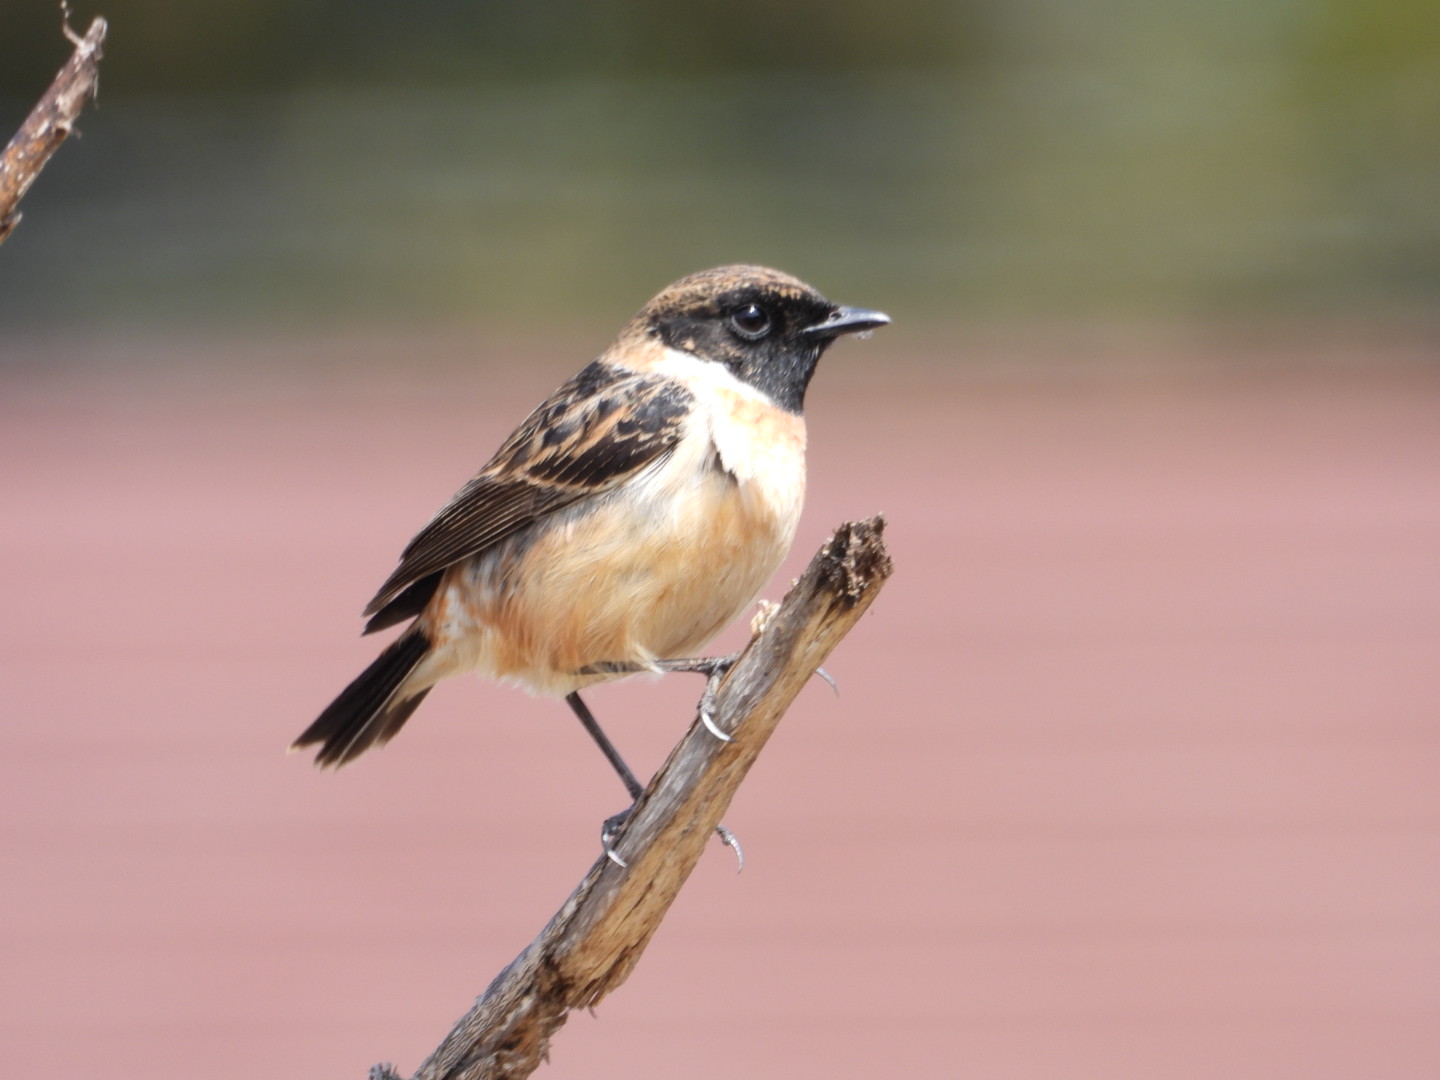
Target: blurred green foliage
(294, 160)
(169, 47)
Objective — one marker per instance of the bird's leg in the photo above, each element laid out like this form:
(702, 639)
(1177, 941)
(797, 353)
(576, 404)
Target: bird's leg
(588, 721)
(611, 827)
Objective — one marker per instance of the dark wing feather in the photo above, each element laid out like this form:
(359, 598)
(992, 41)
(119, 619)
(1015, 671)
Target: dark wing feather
(600, 428)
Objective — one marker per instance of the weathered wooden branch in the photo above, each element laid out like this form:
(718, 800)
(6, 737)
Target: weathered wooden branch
(594, 941)
(52, 119)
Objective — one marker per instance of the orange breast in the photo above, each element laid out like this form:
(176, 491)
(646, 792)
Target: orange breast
(651, 571)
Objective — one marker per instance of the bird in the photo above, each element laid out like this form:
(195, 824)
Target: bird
(639, 510)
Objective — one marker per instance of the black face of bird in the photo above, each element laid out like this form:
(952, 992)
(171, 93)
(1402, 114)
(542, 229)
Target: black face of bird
(768, 329)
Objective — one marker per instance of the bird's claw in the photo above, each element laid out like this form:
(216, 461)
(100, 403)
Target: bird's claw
(707, 718)
(715, 670)
(730, 840)
(610, 832)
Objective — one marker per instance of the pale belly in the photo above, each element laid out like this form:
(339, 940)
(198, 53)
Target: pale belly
(649, 574)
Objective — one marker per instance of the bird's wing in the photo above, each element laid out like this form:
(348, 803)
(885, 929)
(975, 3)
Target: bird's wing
(600, 428)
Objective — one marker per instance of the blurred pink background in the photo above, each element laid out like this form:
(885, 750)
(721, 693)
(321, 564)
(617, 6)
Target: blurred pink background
(1133, 773)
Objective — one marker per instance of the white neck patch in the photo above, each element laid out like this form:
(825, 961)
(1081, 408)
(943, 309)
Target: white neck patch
(701, 375)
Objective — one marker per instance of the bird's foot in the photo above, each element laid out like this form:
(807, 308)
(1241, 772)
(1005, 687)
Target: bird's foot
(610, 832)
(714, 668)
(614, 825)
(730, 840)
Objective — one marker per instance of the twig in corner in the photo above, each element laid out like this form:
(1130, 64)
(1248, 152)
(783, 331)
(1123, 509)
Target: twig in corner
(48, 124)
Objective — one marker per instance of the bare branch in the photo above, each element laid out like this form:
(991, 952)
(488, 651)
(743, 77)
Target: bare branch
(49, 122)
(594, 941)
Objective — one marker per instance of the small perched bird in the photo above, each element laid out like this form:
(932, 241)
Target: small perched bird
(629, 519)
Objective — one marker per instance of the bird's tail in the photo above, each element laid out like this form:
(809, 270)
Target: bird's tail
(371, 709)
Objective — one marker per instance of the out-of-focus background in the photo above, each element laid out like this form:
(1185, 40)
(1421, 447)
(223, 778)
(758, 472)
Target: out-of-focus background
(1133, 771)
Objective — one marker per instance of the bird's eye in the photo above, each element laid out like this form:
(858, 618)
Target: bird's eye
(751, 322)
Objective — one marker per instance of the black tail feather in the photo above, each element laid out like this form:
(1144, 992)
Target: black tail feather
(367, 712)
(407, 605)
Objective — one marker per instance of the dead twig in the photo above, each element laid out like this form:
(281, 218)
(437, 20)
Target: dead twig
(52, 119)
(594, 941)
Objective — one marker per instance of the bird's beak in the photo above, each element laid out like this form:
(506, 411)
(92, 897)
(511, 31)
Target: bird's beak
(847, 320)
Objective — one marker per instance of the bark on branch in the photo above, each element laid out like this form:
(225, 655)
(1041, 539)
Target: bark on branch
(594, 941)
(52, 119)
